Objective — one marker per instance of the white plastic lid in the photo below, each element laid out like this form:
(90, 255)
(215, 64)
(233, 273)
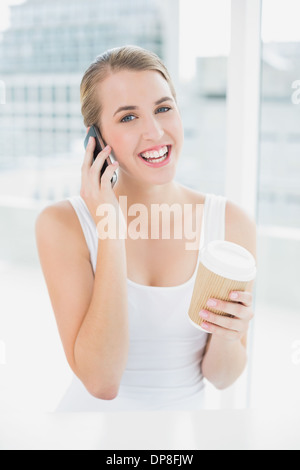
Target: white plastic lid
(229, 260)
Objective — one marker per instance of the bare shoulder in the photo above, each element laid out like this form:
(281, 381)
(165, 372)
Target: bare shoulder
(59, 213)
(240, 227)
(191, 196)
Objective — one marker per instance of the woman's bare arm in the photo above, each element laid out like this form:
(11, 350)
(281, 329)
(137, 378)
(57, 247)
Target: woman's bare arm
(226, 356)
(91, 311)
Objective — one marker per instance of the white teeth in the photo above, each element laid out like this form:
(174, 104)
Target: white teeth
(156, 160)
(155, 154)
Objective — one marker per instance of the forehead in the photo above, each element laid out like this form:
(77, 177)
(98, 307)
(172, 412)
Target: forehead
(128, 87)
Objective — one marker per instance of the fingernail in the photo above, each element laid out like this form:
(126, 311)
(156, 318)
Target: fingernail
(234, 295)
(211, 303)
(203, 314)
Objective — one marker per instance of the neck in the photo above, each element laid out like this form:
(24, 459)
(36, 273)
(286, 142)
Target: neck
(147, 194)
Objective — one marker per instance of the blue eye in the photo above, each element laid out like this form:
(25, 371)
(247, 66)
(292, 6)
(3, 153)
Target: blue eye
(163, 109)
(128, 118)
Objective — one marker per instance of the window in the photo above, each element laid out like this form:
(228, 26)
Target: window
(279, 175)
(277, 324)
(203, 55)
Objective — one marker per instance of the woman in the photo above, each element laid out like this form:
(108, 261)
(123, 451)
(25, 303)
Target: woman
(121, 303)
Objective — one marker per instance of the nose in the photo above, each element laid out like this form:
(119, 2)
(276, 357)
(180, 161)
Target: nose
(152, 129)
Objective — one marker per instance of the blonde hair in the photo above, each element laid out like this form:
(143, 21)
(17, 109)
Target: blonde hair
(114, 60)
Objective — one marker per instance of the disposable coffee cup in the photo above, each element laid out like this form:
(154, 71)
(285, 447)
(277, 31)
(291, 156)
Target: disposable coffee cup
(223, 267)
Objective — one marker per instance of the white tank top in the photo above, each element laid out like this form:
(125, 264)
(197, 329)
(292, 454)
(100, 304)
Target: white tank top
(164, 363)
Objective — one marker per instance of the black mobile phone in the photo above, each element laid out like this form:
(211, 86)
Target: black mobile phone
(100, 144)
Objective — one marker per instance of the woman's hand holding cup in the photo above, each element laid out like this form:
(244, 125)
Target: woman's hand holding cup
(234, 326)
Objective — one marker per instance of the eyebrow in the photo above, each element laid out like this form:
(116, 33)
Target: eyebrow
(132, 108)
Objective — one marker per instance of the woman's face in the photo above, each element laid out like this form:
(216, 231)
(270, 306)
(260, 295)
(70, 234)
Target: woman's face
(141, 122)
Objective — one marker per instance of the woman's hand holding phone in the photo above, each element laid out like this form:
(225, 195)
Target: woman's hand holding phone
(96, 191)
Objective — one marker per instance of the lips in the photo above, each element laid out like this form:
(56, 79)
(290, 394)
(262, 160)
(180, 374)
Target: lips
(156, 156)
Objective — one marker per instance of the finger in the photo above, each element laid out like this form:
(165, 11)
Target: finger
(235, 309)
(107, 175)
(98, 164)
(89, 155)
(229, 323)
(230, 335)
(244, 298)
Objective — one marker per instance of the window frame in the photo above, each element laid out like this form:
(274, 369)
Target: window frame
(243, 140)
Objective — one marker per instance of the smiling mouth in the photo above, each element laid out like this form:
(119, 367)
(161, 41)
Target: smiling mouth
(155, 157)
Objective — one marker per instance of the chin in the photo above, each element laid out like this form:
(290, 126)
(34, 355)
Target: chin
(160, 180)
(160, 176)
